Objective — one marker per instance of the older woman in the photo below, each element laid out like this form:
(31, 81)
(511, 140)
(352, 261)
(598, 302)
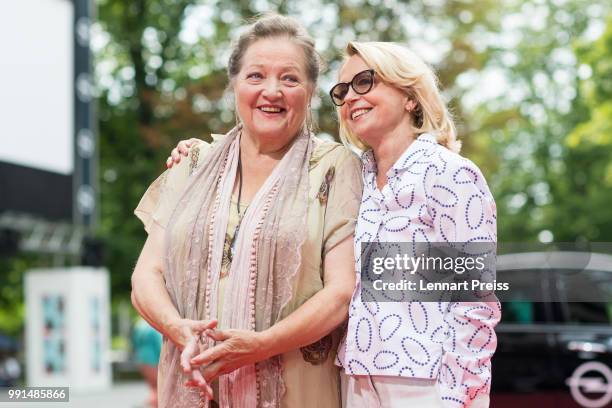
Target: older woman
(416, 189)
(253, 231)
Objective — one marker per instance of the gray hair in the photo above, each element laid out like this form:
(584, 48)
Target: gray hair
(273, 26)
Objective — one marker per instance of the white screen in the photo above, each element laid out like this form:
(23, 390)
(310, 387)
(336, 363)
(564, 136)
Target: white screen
(36, 84)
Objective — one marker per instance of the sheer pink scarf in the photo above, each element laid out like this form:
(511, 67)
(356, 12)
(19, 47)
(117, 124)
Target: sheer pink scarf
(261, 277)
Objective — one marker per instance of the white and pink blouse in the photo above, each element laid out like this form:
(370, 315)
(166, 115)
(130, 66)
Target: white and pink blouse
(432, 195)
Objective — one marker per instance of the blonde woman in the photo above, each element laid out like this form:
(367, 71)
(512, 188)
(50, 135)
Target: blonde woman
(416, 189)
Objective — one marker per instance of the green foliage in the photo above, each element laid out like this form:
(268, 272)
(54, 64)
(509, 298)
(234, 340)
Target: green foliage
(159, 83)
(588, 185)
(529, 85)
(160, 74)
(541, 185)
(12, 308)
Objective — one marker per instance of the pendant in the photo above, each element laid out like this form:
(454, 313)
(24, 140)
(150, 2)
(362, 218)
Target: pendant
(232, 248)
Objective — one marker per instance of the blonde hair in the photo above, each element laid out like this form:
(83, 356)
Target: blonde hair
(399, 67)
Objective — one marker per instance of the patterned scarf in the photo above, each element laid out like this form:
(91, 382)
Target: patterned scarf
(261, 278)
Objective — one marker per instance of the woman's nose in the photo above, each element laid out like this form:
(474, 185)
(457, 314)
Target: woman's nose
(272, 89)
(351, 95)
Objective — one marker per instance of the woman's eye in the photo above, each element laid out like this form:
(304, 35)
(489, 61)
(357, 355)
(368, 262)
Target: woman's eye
(290, 78)
(254, 75)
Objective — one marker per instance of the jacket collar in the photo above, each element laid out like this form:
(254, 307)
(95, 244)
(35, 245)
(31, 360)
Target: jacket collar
(424, 145)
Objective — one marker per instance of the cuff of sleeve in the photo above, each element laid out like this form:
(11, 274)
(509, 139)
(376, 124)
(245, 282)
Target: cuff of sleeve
(339, 234)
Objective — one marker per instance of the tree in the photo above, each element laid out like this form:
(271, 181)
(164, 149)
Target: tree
(534, 66)
(160, 78)
(588, 181)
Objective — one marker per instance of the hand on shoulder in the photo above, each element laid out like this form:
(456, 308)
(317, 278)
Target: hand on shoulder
(181, 149)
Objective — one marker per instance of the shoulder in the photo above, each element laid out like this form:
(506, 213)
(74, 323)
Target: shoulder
(336, 170)
(456, 163)
(459, 172)
(197, 153)
(327, 153)
(189, 164)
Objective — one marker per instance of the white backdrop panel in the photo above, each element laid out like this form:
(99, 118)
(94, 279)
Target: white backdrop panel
(36, 84)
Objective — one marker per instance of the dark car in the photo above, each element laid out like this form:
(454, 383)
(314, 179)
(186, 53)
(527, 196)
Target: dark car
(554, 351)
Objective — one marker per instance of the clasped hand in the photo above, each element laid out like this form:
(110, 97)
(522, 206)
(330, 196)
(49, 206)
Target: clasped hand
(234, 349)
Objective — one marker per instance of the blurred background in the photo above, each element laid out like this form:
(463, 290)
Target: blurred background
(94, 95)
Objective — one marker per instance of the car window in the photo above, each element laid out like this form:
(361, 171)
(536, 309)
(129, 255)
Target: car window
(523, 303)
(588, 313)
(524, 312)
(593, 288)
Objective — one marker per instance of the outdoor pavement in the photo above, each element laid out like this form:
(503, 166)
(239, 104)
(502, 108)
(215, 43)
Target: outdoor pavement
(121, 395)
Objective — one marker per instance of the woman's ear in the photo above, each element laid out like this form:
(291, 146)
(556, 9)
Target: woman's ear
(410, 105)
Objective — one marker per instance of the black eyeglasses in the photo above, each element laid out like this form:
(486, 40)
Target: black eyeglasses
(361, 83)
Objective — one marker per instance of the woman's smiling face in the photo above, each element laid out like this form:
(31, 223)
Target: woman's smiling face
(372, 115)
(272, 89)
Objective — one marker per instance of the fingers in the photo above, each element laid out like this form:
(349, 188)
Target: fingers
(209, 355)
(197, 380)
(214, 370)
(218, 335)
(184, 145)
(201, 325)
(197, 377)
(176, 155)
(202, 383)
(181, 149)
(189, 350)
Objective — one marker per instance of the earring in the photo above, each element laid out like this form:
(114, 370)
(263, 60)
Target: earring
(309, 121)
(412, 105)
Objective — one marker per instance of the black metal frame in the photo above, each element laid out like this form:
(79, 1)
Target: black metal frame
(85, 186)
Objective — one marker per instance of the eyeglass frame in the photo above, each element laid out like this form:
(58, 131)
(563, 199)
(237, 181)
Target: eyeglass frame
(351, 85)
